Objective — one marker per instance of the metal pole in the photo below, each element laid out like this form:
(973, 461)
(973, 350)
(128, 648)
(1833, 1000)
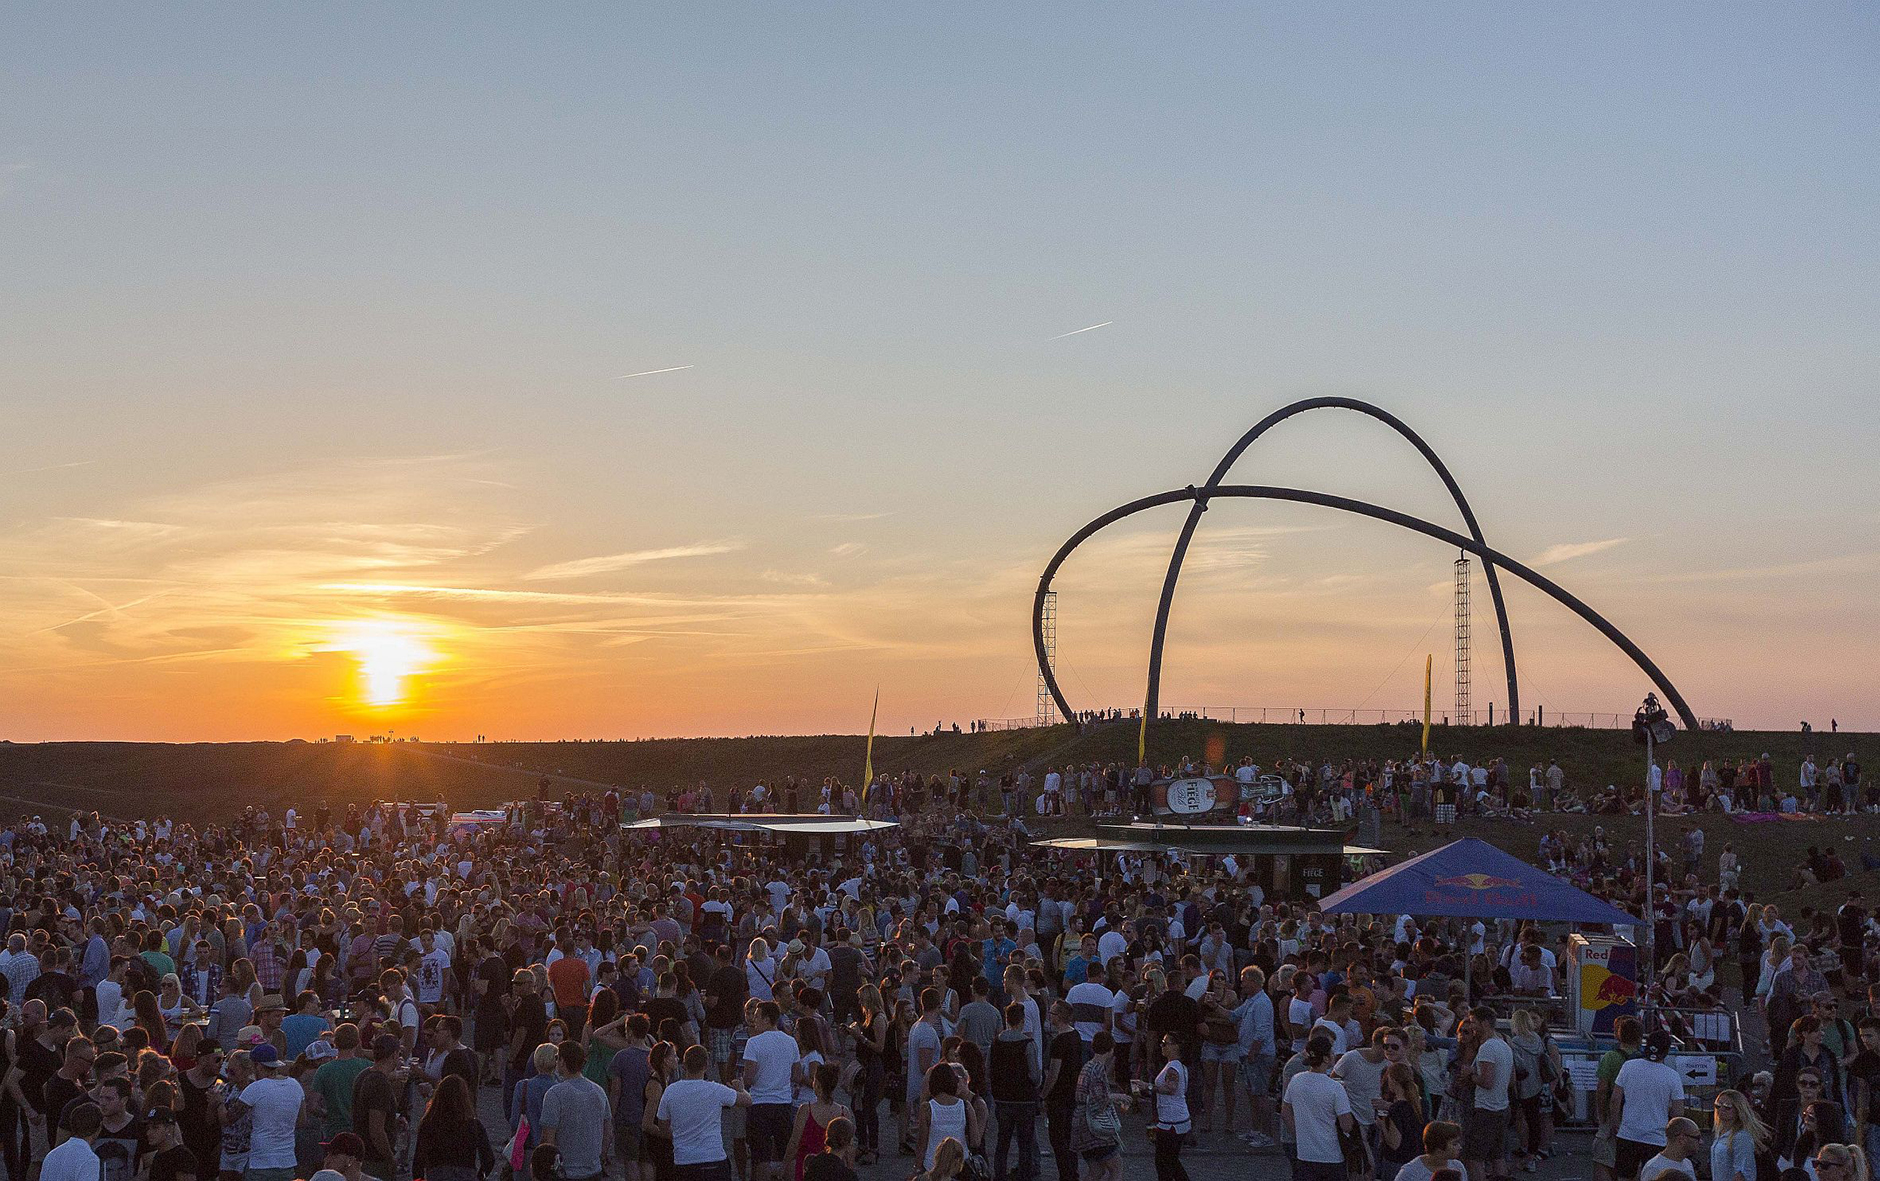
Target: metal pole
(1651, 868)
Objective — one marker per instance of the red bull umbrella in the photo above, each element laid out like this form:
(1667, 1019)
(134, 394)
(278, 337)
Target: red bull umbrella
(1472, 879)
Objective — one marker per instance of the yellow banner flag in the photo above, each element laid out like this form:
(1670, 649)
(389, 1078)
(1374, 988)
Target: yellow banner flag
(868, 759)
(1429, 662)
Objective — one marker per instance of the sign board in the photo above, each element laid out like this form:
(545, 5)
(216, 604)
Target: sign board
(1583, 1070)
(1189, 796)
(1696, 1070)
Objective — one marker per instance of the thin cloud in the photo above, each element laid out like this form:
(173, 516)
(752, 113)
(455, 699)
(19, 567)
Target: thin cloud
(608, 563)
(848, 517)
(847, 549)
(52, 467)
(1079, 331)
(1567, 551)
(651, 372)
(785, 578)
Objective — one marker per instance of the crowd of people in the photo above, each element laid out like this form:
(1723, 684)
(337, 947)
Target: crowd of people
(345, 992)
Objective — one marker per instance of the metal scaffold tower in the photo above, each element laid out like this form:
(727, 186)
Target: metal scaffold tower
(1047, 707)
(1464, 714)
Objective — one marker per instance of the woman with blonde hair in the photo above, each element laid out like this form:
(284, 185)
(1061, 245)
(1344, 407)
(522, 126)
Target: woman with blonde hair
(1841, 1162)
(1739, 1137)
(949, 1157)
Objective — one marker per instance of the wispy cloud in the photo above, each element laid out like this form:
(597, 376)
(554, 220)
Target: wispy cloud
(1080, 331)
(847, 549)
(651, 372)
(608, 563)
(52, 467)
(1566, 551)
(785, 578)
(846, 517)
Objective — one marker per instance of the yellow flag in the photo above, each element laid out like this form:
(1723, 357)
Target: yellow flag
(868, 759)
(1428, 663)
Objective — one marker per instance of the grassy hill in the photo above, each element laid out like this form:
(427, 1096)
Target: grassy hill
(210, 779)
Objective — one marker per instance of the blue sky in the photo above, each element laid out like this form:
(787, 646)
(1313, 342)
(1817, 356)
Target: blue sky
(310, 293)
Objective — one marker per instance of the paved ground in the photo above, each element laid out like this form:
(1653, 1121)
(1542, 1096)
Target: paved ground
(1208, 1157)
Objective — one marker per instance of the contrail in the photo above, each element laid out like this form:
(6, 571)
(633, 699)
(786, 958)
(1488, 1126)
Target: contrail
(52, 467)
(650, 372)
(1092, 328)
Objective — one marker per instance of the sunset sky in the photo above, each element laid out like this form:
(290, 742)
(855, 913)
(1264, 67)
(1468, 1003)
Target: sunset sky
(316, 324)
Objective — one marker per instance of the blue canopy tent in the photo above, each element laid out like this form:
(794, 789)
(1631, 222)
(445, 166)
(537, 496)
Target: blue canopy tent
(1472, 879)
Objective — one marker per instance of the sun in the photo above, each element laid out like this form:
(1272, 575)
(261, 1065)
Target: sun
(389, 652)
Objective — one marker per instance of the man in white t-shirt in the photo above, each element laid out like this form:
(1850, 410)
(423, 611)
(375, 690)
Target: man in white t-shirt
(276, 1102)
(769, 1057)
(1485, 1125)
(691, 1111)
(1315, 1107)
(1112, 943)
(1681, 1140)
(1647, 1096)
(1362, 1072)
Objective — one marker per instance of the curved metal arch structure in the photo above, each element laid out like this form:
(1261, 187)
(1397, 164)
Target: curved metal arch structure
(1160, 635)
(1364, 509)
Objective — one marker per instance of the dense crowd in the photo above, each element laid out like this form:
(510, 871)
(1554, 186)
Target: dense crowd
(332, 993)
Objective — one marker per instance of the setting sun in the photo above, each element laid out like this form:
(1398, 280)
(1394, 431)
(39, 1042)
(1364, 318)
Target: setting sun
(388, 652)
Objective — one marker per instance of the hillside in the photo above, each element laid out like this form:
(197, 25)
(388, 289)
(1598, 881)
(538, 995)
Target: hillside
(207, 780)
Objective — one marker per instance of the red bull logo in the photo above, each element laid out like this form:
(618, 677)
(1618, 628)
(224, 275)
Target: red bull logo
(1479, 881)
(1600, 988)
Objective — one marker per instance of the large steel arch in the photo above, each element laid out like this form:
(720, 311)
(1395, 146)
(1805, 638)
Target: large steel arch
(1180, 554)
(1361, 508)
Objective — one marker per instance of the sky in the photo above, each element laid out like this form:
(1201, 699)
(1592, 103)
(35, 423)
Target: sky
(317, 325)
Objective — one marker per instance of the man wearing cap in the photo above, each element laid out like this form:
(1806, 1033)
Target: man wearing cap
(1647, 1096)
(275, 1101)
(167, 1157)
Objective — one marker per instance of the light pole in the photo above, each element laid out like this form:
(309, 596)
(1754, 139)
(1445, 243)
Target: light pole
(1651, 726)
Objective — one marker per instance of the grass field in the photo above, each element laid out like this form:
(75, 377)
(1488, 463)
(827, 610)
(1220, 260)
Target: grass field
(215, 780)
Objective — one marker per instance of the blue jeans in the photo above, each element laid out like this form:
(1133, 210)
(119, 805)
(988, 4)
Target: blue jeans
(1016, 1120)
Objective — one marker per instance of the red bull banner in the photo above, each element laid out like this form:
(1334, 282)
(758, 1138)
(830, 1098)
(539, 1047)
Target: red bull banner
(1603, 974)
(1484, 888)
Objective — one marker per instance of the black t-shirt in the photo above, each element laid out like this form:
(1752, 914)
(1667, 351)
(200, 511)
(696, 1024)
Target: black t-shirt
(59, 1093)
(662, 1007)
(1067, 1050)
(531, 1019)
(197, 1120)
(373, 1091)
(826, 1166)
(1866, 1067)
(1174, 1012)
(725, 997)
(118, 1151)
(176, 1162)
(494, 971)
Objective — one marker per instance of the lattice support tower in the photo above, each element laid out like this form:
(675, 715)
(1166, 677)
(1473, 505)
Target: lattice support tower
(1464, 708)
(1047, 707)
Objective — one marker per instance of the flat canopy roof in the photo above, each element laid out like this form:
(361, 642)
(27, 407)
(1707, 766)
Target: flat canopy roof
(807, 823)
(1217, 840)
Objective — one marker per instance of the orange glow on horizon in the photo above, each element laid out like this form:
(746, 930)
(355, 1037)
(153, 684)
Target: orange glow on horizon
(389, 652)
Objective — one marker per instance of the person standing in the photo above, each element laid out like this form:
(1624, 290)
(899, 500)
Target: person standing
(1067, 1055)
(1485, 1126)
(1315, 1109)
(575, 1118)
(691, 1114)
(769, 1059)
(1172, 1122)
(1646, 1097)
(74, 1159)
(1016, 1072)
(375, 1106)
(1674, 1161)
(275, 1101)
(166, 1158)
(1259, 1052)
